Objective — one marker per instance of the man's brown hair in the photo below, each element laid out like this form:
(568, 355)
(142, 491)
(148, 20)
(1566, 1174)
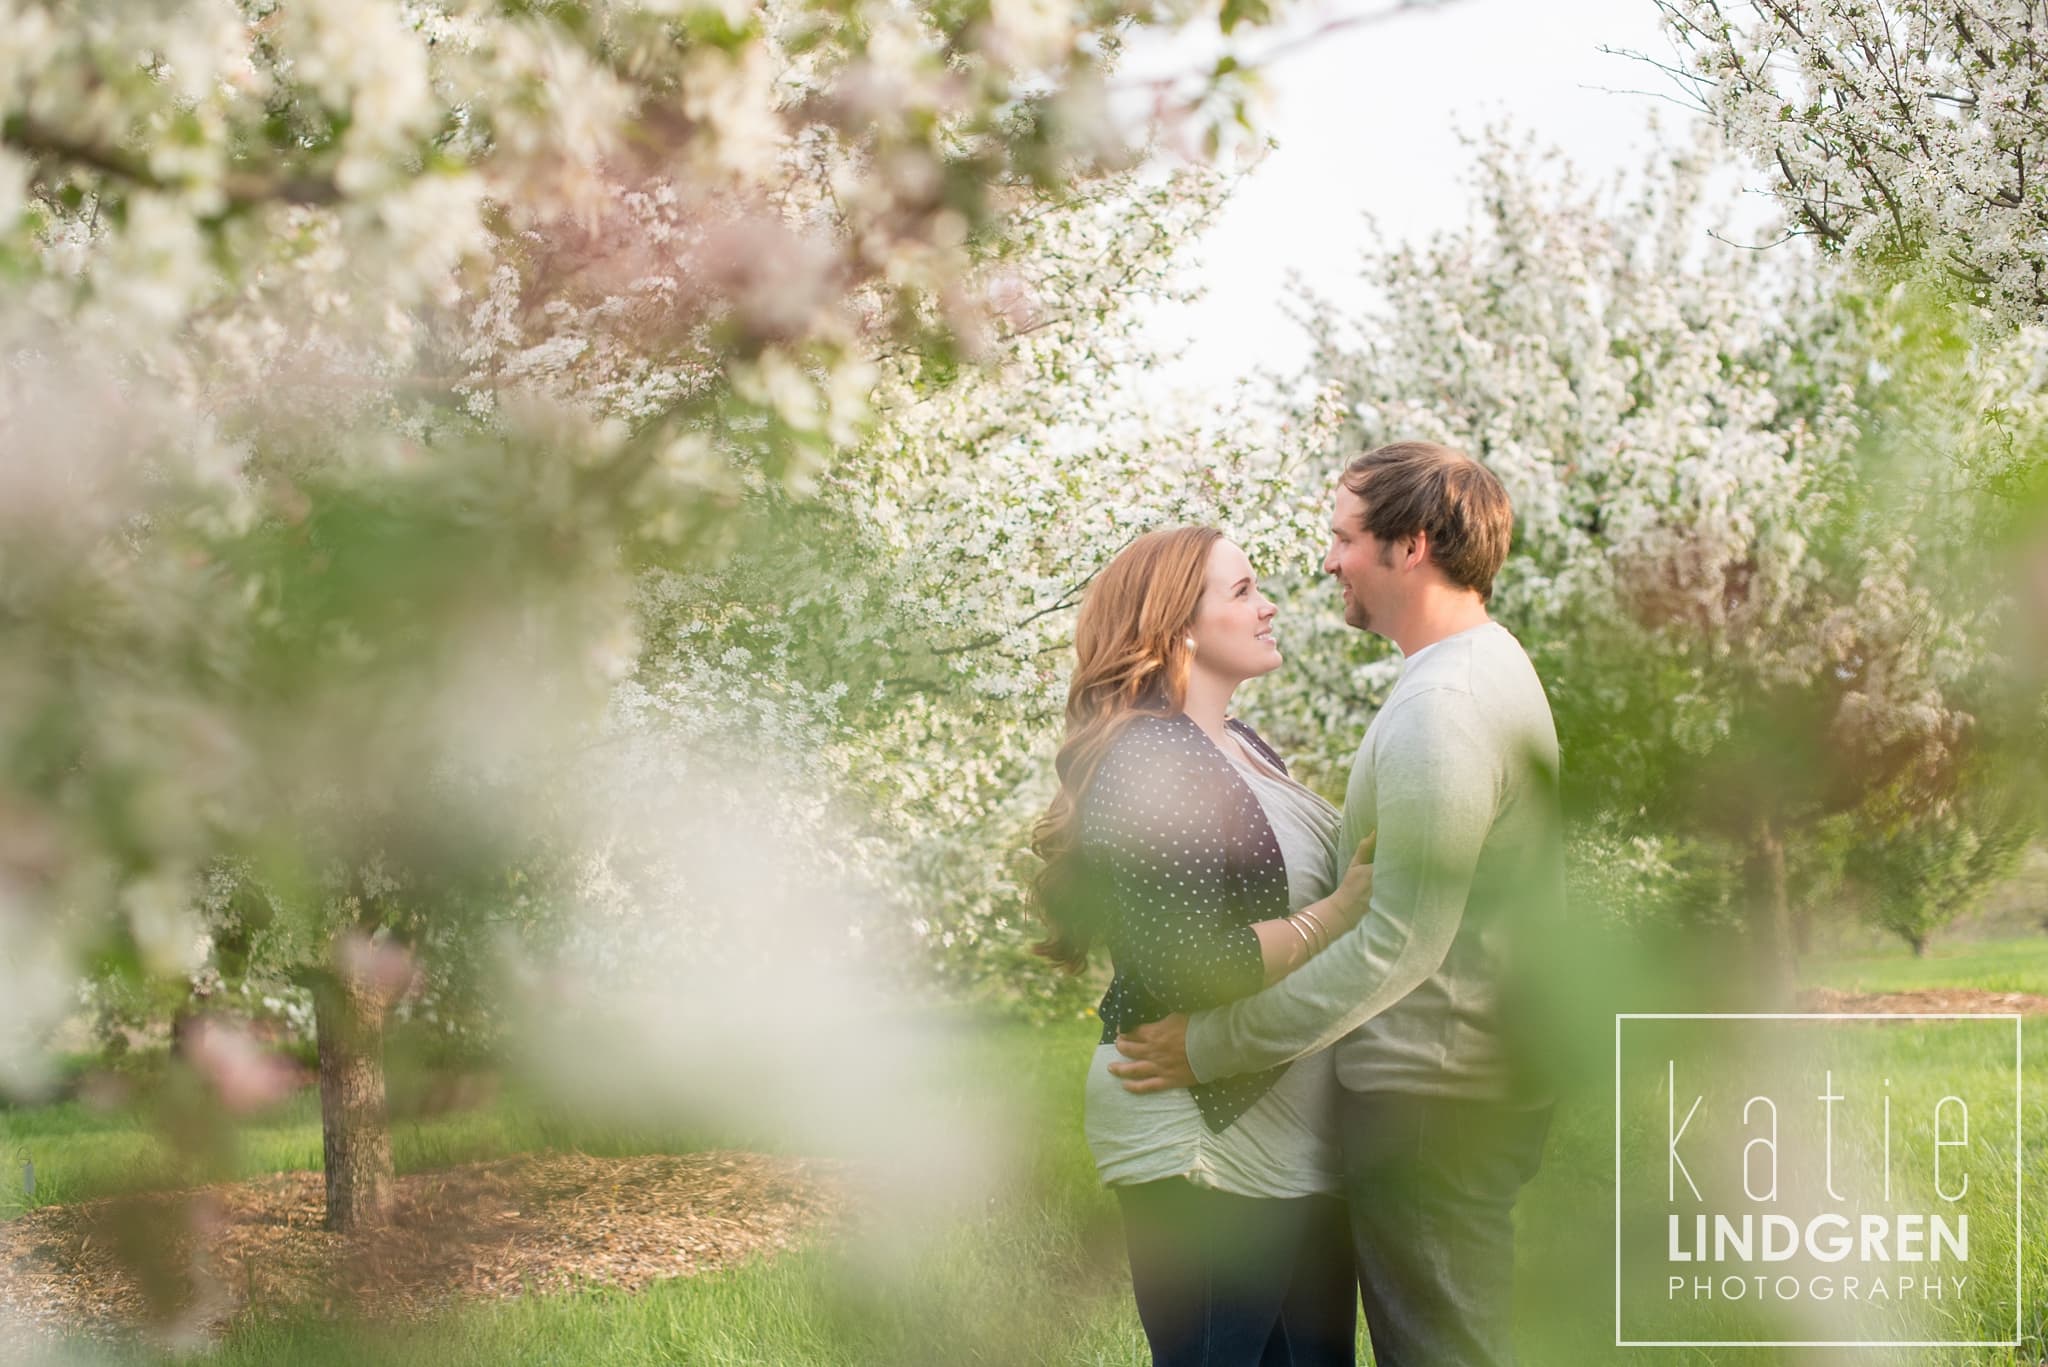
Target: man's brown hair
(1419, 486)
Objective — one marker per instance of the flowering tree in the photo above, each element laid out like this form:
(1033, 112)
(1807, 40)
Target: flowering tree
(384, 345)
(1906, 135)
(1733, 638)
(1903, 132)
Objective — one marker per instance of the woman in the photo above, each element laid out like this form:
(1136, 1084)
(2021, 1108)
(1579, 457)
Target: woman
(1179, 842)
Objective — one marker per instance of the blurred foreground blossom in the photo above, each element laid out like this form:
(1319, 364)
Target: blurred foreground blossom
(242, 1072)
(384, 969)
(363, 361)
(707, 971)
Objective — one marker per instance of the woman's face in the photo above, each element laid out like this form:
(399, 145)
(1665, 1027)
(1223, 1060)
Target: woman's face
(1233, 626)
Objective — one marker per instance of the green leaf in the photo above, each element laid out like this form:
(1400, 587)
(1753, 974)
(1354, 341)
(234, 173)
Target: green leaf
(1237, 12)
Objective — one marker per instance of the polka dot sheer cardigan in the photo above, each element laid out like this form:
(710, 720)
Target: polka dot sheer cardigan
(1180, 862)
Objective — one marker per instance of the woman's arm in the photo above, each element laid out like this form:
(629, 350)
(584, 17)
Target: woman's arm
(1288, 942)
(1155, 832)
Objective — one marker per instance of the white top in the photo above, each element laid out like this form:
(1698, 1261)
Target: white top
(1285, 1145)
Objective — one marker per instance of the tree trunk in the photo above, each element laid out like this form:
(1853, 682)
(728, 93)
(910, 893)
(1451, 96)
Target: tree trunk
(1919, 943)
(355, 1127)
(1770, 912)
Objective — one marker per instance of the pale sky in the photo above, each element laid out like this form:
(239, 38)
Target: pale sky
(1366, 120)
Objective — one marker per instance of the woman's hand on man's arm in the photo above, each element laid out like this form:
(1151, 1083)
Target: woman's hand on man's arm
(1347, 904)
(1288, 942)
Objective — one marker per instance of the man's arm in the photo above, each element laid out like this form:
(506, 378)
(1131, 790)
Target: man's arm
(1438, 782)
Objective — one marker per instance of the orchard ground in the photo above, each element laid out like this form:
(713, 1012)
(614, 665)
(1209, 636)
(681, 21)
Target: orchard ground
(1034, 1275)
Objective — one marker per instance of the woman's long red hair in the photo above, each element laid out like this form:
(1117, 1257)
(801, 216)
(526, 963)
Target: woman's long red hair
(1132, 660)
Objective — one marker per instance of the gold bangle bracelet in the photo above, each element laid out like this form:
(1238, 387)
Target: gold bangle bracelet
(1307, 944)
(1308, 937)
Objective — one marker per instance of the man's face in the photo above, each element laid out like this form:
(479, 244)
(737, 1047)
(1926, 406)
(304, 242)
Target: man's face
(1360, 562)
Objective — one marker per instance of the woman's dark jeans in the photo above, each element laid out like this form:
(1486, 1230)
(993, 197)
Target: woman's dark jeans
(1240, 1281)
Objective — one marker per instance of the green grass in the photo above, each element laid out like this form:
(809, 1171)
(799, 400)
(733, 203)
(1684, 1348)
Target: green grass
(1033, 1275)
(2018, 964)
(81, 1152)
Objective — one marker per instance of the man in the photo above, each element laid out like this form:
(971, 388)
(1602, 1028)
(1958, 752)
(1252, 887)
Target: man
(1440, 1120)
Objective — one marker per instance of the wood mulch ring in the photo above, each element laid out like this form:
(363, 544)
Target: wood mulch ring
(194, 1260)
(1970, 1000)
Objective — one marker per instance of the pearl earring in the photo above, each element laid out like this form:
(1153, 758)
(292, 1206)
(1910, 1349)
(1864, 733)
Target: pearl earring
(1191, 643)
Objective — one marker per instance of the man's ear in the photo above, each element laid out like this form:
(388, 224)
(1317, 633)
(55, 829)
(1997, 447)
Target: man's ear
(1415, 551)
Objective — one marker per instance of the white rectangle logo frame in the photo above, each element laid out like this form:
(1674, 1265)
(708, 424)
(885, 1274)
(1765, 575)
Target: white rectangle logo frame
(2018, 1173)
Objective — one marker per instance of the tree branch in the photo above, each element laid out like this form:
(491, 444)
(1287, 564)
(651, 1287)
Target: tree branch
(1300, 42)
(242, 189)
(987, 639)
